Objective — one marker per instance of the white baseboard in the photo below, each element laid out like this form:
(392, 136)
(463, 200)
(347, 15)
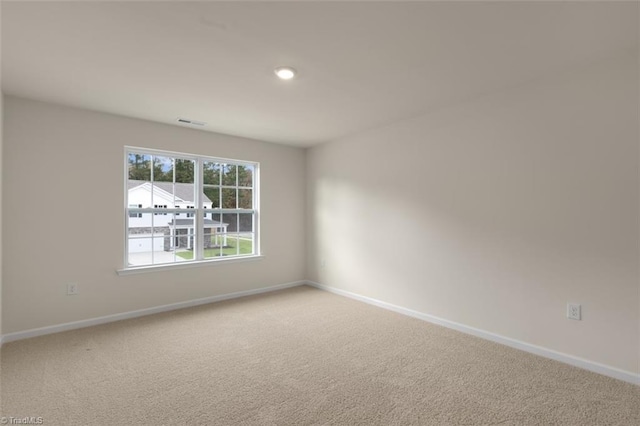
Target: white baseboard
(139, 313)
(595, 367)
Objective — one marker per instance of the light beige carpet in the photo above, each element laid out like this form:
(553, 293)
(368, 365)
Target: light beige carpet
(297, 357)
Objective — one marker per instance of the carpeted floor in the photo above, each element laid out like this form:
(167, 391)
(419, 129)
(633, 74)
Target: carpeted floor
(297, 357)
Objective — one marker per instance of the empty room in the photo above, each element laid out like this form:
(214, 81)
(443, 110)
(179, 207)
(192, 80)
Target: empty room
(320, 213)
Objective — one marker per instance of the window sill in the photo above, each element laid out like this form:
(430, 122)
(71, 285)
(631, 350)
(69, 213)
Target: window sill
(186, 265)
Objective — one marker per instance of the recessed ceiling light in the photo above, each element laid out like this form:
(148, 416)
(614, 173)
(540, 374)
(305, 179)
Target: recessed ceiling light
(285, 73)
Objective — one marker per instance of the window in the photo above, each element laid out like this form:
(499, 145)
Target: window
(220, 196)
(156, 206)
(133, 206)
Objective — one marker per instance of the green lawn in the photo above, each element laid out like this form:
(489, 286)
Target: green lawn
(246, 247)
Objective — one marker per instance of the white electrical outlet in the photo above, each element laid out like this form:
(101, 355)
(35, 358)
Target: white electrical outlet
(323, 263)
(574, 311)
(72, 289)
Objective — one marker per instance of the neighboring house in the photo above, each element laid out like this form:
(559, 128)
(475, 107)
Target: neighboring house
(169, 231)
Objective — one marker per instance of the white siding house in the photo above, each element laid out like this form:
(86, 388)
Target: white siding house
(173, 230)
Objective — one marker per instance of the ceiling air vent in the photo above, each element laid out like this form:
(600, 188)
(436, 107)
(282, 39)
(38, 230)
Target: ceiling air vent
(191, 122)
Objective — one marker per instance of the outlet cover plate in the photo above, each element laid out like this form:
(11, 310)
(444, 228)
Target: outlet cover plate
(574, 311)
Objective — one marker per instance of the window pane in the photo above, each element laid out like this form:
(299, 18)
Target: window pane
(140, 224)
(161, 196)
(233, 247)
(211, 173)
(230, 222)
(185, 195)
(245, 200)
(162, 169)
(148, 241)
(162, 222)
(140, 251)
(222, 244)
(212, 197)
(219, 244)
(139, 194)
(229, 198)
(181, 231)
(132, 211)
(181, 223)
(214, 235)
(238, 244)
(245, 222)
(209, 235)
(139, 167)
(245, 242)
(184, 170)
(183, 244)
(214, 241)
(245, 175)
(229, 174)
(162, 251)
(143, 249)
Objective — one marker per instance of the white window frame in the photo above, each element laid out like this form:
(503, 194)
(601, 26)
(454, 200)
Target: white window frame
(199, 210)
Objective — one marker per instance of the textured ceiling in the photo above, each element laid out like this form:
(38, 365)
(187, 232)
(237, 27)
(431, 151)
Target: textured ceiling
(361, 65)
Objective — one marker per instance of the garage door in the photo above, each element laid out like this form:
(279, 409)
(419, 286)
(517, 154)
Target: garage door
(139, 245)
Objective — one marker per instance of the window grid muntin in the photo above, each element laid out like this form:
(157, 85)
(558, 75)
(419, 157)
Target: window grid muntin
(198, 162)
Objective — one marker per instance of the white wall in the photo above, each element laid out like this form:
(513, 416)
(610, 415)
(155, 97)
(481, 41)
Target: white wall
(1, 184)
(496, 213)
(1, 174)
(69, 163)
